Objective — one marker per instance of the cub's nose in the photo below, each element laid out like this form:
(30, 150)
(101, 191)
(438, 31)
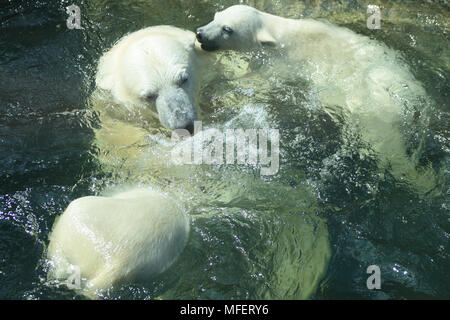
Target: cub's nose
(199, 34)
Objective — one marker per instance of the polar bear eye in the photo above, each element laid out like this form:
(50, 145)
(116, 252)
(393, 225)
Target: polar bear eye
(183, 80)
(151, 97)
(227, 30)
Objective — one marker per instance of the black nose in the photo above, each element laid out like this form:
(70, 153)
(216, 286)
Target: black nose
(190, 128)
(199, 35)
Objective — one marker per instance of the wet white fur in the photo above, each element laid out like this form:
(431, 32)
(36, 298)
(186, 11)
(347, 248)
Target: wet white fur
(349, 75)
(130, 236)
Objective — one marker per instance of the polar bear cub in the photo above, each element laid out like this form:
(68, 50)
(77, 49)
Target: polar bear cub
(241, 27)
(114, 240)
(154, 69)
(349, 74)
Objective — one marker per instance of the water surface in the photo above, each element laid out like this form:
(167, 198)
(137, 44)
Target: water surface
(251, 237)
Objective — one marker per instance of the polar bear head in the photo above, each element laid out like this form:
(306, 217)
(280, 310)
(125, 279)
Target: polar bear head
(154, 69)
(168, 79)
(238, 27)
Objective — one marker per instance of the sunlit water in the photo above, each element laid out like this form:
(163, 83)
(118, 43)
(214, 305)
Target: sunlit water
(330, 207)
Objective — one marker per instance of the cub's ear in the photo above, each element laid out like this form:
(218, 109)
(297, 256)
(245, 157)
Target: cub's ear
(265, 38)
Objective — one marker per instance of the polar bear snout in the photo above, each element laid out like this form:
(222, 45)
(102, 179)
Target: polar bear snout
(199, 35)
(176, 110)
(208, 37)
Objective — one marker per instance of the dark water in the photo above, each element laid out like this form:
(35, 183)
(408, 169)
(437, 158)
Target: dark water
(48, 157)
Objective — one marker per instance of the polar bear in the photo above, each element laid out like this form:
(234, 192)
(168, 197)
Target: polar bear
(138, 233)
(153, 71)
(110, 241)
(351, 76)
(113, 240)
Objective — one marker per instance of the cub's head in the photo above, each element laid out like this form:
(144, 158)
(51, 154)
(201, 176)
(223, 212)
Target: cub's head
(161, 73)
(235, 28)
(152, 71)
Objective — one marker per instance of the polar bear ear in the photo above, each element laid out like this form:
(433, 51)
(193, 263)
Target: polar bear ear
(265, 38)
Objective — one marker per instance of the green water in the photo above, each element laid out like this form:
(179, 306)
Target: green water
(251, 238)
